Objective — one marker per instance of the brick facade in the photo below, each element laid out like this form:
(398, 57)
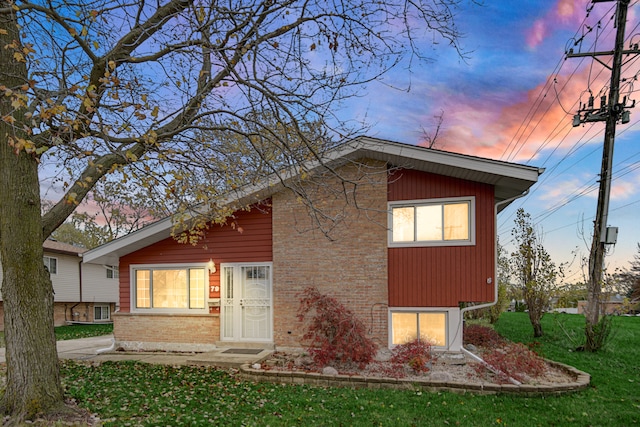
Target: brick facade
(349, 262)
(169, 332)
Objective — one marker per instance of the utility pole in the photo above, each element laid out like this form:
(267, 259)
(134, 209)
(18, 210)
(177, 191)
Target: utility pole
(610, 112)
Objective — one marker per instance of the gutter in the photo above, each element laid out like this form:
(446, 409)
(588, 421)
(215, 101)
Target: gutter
(107, 349)
(495, 267)
(489, 367)
(495, 292)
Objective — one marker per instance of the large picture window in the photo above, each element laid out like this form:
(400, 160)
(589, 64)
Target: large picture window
(406, 326)
(432, 222)
(169, 288)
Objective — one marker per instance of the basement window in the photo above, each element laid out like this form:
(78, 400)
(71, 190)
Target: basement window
(428, 326)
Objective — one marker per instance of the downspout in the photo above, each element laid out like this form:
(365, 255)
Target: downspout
(80, 276)
(495, 287)
(495, 266)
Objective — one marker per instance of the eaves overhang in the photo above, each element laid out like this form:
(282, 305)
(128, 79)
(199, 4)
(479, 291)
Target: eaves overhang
(509, 180)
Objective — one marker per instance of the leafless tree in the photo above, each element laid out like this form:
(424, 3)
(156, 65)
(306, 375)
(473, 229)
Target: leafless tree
(92, 87)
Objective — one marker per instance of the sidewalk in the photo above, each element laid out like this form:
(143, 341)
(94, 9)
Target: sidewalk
(101, 349)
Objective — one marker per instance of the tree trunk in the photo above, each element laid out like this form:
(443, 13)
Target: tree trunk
(33, 379)
(535, 318)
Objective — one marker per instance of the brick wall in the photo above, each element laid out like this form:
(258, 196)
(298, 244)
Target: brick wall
(171, 332)
(346, 259)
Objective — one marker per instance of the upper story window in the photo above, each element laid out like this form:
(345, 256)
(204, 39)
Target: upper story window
(112, 271)
(51, 264)
(176, 288)
(437, 222)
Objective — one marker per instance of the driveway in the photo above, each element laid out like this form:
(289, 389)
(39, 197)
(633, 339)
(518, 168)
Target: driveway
(101, 349)
(82, 348)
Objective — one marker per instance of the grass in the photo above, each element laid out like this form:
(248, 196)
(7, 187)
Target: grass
(136, 394)
(73, 332)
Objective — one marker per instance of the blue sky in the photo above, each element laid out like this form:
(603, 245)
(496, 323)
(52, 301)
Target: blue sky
(513, 99)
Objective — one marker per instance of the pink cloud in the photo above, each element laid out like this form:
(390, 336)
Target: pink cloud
(623, 190)
(560, 190)
(519, 128)
(566, 13)
(535, 35)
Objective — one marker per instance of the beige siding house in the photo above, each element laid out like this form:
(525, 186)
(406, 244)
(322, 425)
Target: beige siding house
(83, 293)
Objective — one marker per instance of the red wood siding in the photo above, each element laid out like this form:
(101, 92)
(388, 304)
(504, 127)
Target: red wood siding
(245, 238)
(443, 276)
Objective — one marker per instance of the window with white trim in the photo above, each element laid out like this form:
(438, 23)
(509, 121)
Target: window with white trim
(112, 271)
(432, 222)
(101, 313)
(51, 264)
(179, 288)
(429, 326)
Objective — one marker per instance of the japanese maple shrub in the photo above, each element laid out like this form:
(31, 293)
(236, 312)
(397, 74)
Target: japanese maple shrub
(333, 333)
(416, 354)
(482, 336)
(515, 361)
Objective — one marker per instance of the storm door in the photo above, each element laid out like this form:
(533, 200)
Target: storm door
(246, 313)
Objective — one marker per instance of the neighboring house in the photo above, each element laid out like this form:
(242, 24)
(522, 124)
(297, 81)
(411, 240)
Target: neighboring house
(414, 238)
(83, 293)
(615, 304)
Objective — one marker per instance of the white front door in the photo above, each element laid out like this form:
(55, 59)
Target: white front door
(246, 313)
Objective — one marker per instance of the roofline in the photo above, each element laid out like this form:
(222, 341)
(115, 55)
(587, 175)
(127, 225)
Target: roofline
(351, 150)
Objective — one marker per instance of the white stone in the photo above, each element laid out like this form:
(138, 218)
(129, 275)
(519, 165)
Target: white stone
(328, 370)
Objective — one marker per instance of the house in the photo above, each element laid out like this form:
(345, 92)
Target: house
(402, 235)
(613, 304)
(85, 293)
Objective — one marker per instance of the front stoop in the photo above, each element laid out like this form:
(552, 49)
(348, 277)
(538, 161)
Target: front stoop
(227, 358)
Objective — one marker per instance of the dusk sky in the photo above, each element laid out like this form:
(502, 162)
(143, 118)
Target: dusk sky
(514, 98)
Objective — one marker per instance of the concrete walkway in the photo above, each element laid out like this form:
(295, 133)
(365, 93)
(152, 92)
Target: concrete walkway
(101, 349)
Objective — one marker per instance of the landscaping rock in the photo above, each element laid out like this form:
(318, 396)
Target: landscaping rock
(383, 355)
(455, 359)
(303, 361)
(328, 370)
(441, 376)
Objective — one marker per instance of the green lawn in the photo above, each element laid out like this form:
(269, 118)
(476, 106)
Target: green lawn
(126, 393)
(73, 332)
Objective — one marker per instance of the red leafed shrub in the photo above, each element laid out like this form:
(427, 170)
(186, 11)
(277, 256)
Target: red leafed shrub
(334, 334)
(416, 354)
(482, 336)
(515, 361)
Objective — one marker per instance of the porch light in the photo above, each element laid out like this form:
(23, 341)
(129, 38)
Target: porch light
(211, 266)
